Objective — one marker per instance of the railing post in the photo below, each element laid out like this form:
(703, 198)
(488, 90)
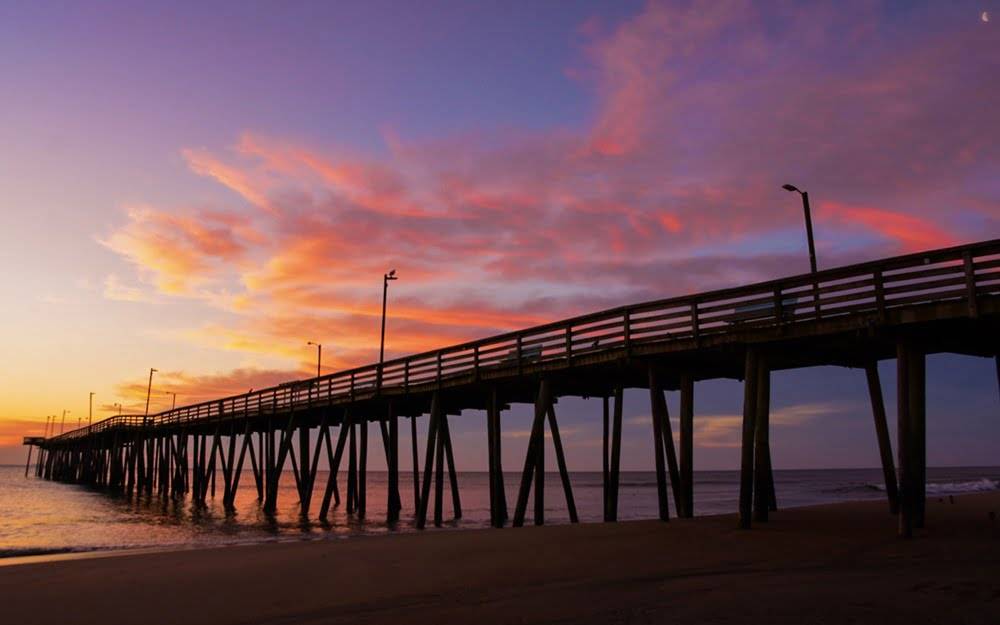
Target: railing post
(352, 386)
(815, 290)
(970, 283)
(439, 369)
(879, 295)
(694, 321)
(406, 375)
(518, 354)
(779, 313)
(475, 362)
(569, 343)
(628, 331)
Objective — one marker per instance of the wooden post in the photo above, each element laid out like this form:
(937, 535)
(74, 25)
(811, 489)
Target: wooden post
(439, 474)
(28, 463)
(762, 444)
(616, 454)
(216, 450)
(687, 445)
(561, 461)
(257, 467)
(668, 444)
(539, 516)
(882, 434)
(432, 428)
(416, 462)
(247, 440)
(284, 445)
(334, 460)
(996, 362)
(491, 461)
(452, 473)
(352, 467)
(393, 506)
(750, 378)
(903, 439)
(230, 494)
(918, 431)
(203, 468)
(305, 486)
(605, 482)
(324, 434)
(498, 455)
(363, 469)
(542, 401)
(656, 408)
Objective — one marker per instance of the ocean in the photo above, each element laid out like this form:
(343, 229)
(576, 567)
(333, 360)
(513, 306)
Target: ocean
(42, 517)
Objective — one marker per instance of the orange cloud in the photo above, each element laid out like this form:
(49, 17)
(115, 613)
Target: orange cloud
(182, 250)
(13, 430)
(909, 232)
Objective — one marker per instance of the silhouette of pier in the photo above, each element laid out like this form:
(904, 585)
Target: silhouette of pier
(902, 308)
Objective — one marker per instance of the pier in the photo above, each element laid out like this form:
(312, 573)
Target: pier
(901, 308)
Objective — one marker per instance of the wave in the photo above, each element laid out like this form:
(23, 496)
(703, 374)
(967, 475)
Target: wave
(983, 484)
(975, 486)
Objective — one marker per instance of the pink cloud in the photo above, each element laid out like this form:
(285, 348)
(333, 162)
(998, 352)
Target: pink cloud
(700, 113)
(909, 232)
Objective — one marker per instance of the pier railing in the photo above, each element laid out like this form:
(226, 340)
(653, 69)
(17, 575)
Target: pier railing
(963, 273)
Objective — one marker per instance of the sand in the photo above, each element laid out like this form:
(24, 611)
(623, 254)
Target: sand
(840, 563)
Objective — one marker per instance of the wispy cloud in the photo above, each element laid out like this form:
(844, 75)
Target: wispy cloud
(669, 188)
(724, 430)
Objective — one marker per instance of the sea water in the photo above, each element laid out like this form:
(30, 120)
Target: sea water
(40, 517)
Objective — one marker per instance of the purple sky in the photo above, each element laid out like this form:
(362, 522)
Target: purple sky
(204, 188)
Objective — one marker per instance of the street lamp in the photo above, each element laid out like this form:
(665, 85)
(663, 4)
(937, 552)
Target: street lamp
(90, 413)
(174, 403)
(809, 226)
(319, 356)
(385, 293)
(149, 389)
(119, 406)
(62, 426)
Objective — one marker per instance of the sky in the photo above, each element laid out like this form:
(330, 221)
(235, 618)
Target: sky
(205, 188)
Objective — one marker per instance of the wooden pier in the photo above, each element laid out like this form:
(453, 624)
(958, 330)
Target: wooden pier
(906, 307)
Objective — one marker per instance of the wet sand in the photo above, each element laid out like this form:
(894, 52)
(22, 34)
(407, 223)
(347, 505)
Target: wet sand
(839, 563)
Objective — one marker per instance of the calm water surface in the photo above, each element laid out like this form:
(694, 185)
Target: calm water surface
(37, 516)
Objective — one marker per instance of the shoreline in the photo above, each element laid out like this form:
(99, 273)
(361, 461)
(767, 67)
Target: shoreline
(253, 531)
(824, 564)
(57, 554)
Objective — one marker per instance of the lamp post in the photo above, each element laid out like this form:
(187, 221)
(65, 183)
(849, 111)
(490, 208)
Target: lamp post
(319, 356)
(90, 411)
(149, 389)
(62, 426)
(119, 406)
(385, 294)
(48, 419)
(809, 226)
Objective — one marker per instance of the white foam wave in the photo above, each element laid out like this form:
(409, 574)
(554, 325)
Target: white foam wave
(983, 484)
(974, 486)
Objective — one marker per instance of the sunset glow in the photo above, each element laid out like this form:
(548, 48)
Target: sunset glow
(162, 209)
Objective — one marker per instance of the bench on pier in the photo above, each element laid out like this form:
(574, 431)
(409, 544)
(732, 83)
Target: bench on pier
(764, 310)
(528, 354)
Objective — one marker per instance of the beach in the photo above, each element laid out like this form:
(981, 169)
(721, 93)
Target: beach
(823, 564)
